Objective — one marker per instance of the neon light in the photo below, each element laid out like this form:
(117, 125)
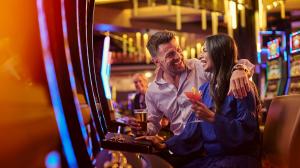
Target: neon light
(105, 68)
(291, 43)
(53, 160)
(266, 32)
(259, 57)
(289, 75)
(287, 86)
(232, 6)
(53, 88)
(285, 56)
(106, 27)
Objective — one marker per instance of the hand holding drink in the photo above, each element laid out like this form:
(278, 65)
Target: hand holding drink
(201, 111)
(194, 95)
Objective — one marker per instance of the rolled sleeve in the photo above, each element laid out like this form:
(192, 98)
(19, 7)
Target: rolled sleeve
(249, 65)
(153, 116)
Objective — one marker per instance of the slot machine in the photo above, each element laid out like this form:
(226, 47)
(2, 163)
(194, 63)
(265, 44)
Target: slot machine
(267, 62)
(276, 71)
(294, 75)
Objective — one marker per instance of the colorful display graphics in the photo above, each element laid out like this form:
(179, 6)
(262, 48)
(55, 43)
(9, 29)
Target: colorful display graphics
(274, 49)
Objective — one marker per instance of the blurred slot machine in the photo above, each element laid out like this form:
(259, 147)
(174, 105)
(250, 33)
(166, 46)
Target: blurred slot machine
(272, 60)
(294, 80)
(276, 71)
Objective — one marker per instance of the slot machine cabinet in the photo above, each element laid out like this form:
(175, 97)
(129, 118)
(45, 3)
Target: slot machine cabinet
(33, 122)
(103, 68)
(56, 30)
(93, 69)
(276, 71)
(96, 115)
(72, 17)
(294, 66)
(271, 66)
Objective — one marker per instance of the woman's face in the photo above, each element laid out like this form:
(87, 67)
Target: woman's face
(140, 84)
(206, 60)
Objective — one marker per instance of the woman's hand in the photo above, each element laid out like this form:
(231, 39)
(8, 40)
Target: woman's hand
(157, 141)
(202, 112)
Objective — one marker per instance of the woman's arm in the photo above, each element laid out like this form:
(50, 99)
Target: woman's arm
(242, 129)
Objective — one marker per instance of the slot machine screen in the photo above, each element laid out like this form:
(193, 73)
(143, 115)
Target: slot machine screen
(265, 38)
(274, 49)
(295, 42)
(105, 68)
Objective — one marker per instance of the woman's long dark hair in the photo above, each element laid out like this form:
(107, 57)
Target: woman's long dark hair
(222, 51)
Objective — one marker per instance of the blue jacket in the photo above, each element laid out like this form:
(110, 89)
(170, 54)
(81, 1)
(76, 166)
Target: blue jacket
(234, 132)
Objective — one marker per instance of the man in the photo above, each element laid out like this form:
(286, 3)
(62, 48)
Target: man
(165, 96)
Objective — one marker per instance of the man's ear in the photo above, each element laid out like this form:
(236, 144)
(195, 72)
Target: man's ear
(155, 61)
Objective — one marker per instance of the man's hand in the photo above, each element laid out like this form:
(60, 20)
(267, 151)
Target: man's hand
(132, 123)
(239, 84)
(157, 141)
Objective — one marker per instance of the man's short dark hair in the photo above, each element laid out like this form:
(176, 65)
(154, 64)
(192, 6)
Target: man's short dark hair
(157, 39)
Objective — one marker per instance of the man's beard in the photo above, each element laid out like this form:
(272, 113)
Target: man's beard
(175, 70)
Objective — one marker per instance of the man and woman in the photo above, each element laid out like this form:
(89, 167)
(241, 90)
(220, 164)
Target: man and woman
(228, 135)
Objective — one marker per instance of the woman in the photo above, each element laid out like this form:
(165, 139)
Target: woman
(228, 135)
(141, 85)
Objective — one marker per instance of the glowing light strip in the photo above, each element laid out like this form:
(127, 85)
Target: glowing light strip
(285, 57)
(53, 88)
(289, 75)
(105, 68)
(258, 57)
(203, 19)
(232, 6)
(70, 70)
(260, 13)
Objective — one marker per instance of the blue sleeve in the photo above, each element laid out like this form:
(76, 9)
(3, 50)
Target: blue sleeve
(189, 141)
(242, 129)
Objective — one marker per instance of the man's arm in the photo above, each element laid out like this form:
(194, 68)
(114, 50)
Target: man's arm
(239, 81)
(153, 116)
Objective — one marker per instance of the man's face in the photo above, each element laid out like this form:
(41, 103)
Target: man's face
(170, 58)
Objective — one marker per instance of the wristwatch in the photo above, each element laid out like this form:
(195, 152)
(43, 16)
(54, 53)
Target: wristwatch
(241, 67)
